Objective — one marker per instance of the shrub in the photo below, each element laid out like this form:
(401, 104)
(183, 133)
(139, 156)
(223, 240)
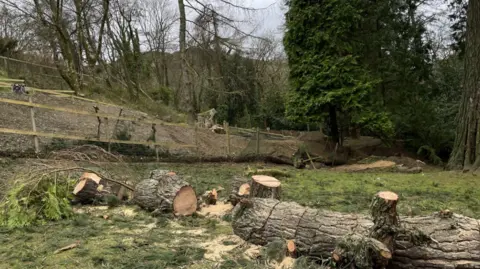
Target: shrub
(36, 201)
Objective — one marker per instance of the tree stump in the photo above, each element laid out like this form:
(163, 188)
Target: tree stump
(166, 192)
(90, 189)
(385, 218)
(265, 187)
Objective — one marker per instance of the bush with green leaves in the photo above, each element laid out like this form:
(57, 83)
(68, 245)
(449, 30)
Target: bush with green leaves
(36, 201)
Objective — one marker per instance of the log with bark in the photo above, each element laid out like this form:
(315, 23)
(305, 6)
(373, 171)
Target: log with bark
(166, 192)
(90, 189)
(422, 242)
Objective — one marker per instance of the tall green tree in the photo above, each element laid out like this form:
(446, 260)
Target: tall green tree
(466, 149)
(325, 75)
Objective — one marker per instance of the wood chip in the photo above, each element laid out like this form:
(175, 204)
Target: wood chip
(72, 246)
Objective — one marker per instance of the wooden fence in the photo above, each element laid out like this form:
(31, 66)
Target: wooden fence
(140, 120)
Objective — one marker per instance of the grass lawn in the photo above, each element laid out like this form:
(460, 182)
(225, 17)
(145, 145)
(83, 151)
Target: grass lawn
(420, 194)
(138, 240)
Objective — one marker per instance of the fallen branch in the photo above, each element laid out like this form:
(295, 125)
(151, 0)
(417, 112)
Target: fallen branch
(72, 246)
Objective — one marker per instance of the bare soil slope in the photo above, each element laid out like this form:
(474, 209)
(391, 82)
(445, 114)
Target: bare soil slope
(50, 121)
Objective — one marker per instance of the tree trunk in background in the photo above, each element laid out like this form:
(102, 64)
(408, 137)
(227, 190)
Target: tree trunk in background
(466, 150)
(334, 124)
(185, 84)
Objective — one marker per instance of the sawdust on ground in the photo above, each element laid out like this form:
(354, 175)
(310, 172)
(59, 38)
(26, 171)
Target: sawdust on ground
(217, 247)
(218, 210)
(287, 263)
(363, 167)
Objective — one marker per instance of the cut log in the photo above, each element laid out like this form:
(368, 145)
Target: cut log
(239, 190)
(166, 192)
(90, 189)
(210, 197)
(244, 190)
(265, 187)
(424, 242)
(291, 249)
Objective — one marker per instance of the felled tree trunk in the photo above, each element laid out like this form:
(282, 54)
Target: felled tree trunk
(265, 187)
(166, 192)
(91, 188)
(432, 241)
(240, 190)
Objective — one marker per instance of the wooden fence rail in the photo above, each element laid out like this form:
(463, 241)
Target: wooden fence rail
(4, 82)
(92, 139)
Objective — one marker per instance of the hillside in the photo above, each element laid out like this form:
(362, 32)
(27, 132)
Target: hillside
(58, 122)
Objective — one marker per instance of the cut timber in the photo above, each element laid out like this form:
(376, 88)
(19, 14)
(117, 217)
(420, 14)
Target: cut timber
(265, 187)
(291, 249)
(239, 190)
(90, 188)
(166, 192)
(385, 218)
(210, 197)
(451, 242)
(244, 190)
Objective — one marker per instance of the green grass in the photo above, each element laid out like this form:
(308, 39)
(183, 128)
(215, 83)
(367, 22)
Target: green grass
(127, 242)
(118, 242)
(420, 194)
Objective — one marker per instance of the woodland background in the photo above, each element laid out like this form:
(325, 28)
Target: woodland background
(397, 73)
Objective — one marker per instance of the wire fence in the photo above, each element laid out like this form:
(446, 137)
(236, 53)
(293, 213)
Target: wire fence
(44, 121)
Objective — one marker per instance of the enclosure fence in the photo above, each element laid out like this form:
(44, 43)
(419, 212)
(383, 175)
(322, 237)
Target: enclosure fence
(42, 120)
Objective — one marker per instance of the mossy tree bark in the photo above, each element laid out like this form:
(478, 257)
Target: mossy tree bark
(466, 149)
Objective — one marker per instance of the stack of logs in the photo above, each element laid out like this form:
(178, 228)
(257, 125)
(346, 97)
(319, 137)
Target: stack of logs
(355, 241)
(162, 192)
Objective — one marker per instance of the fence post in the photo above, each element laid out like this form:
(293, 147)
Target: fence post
(96, 108)
(196, 140)
(258, 142)
(34, 126)
(5, 62)
(227, 131)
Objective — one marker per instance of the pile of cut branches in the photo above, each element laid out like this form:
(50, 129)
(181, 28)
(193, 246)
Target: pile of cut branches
(90, 153)
(35, 197)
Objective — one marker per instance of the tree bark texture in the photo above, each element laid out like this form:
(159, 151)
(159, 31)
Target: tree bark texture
(90, 189)
(431, 241)
(262, 187)
(91, 192)
(166, 192)
(466, 149)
